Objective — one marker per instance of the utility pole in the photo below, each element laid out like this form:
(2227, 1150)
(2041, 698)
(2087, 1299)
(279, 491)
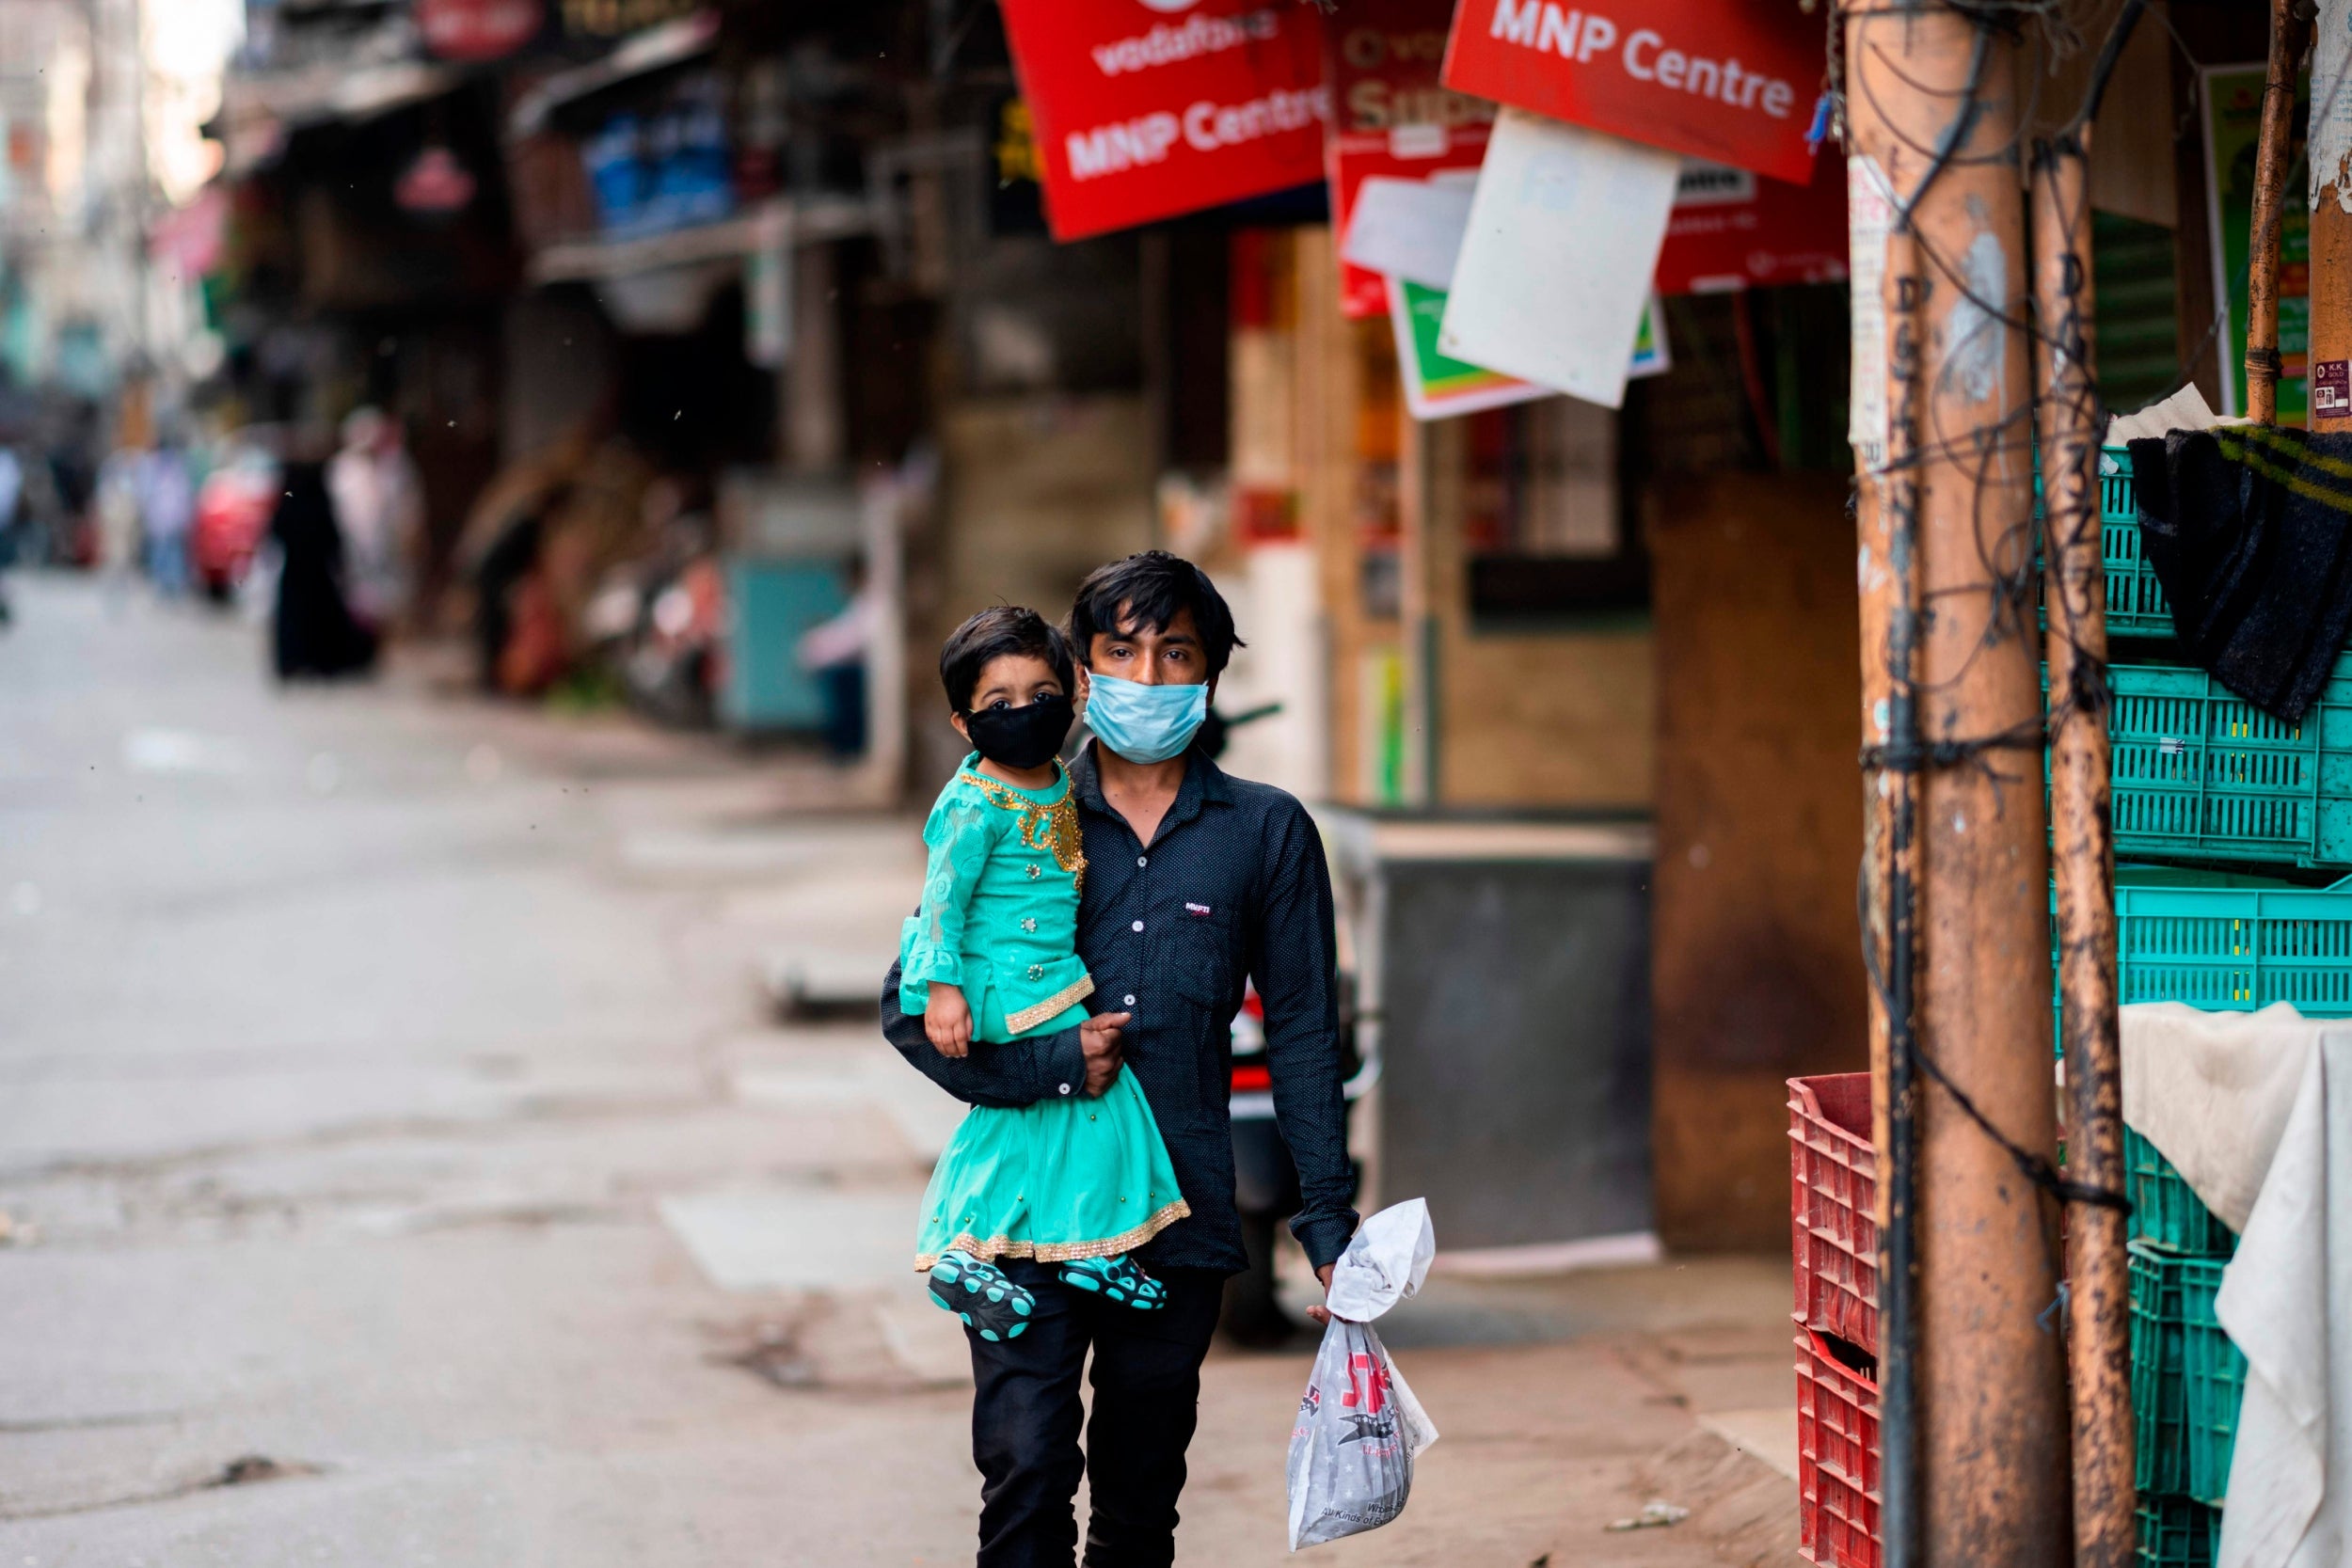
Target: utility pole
(2331, 220)
(1931, 102)
(2070, 420)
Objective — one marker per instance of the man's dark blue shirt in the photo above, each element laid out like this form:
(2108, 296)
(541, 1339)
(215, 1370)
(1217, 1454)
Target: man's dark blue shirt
(1233, 888)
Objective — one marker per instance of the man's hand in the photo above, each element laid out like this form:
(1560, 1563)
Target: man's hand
(1098, 1037)
(1323, 1314)
(947, 1021)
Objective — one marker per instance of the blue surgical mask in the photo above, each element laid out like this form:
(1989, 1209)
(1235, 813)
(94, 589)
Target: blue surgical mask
(1144, 723)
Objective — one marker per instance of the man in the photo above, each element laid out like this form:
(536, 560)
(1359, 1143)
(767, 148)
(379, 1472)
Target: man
(1196, 882)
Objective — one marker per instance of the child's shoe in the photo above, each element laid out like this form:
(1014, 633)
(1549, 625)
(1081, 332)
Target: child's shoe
(979, 1293)
(1121, 1279)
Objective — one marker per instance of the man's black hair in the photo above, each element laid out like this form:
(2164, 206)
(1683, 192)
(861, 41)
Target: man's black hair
(995, 632)
(1152, 589)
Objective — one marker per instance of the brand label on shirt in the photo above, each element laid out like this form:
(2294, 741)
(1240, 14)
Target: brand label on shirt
(1196, 908)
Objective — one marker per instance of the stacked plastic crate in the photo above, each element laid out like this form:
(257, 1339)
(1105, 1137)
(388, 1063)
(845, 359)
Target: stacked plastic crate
(2227, 813)
(1833, 1222)
(2220, 805)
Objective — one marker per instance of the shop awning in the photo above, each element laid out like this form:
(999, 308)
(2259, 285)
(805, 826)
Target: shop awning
(768, 227)
(651, 50)
(258, 111)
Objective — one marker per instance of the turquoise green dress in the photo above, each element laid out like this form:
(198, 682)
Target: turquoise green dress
(1066, 1178)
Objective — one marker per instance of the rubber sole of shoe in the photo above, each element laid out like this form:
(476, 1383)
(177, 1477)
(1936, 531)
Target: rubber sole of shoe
(989, 1304)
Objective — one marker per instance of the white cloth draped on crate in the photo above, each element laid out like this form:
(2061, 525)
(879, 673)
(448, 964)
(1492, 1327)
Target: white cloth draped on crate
(2286, 1301)
(2212, 1092)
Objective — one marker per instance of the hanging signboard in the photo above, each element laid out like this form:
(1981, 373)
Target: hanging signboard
(1731, 229)
(1451, 152)
(1731, 81)
(1438, 386)
(1144, 109)
(1556, 260)
(1391, 118)
(2232, 100)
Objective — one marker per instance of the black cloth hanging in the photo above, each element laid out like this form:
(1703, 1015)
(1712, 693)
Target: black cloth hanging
(2250, 530)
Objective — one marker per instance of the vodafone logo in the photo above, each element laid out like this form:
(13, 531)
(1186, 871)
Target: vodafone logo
(1168, 8)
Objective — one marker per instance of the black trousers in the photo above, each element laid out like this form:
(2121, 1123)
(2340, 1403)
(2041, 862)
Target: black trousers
(1026, 1415)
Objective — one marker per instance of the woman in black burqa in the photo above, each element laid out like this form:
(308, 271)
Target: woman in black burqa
(314, 631)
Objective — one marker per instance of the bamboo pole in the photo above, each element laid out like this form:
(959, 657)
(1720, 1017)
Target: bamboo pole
(1933, 103)
(2083, 844)
(2270, 181)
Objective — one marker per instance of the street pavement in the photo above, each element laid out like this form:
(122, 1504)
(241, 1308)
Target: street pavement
(402, 1161)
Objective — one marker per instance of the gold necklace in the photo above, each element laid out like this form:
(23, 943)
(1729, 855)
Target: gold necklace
(1053, 828)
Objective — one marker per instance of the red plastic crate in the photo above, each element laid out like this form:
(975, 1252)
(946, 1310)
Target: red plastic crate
(1833, 1206)
(1837, 1458)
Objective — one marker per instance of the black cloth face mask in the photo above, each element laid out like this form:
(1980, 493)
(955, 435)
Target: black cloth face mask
(1022, 736)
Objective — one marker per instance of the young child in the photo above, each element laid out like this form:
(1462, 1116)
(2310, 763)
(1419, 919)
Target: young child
(990, 956)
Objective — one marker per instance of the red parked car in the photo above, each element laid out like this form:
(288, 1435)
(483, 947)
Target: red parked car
(233, 508)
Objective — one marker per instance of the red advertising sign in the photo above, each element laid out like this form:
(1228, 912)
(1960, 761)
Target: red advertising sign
(1730, 229)
(478, 29)
(1390, 116)
(1144, 109)
(1730, 81)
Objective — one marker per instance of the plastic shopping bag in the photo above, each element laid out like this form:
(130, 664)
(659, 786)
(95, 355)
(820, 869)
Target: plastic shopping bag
(1359, 1428)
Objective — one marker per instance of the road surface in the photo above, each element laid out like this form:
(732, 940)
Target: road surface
(400, 1165)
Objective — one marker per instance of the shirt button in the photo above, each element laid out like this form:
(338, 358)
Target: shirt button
(1127, 1001)
(1065, 1088)
(1143, 860)
(1139, 926)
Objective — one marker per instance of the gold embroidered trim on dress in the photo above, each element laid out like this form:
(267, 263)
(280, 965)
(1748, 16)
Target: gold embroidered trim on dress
(1053, 827)
(1029, 1017)
(1058, 1252)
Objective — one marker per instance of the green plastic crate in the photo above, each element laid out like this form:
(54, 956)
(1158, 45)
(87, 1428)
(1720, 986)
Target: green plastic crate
(2177, 1533)
(2166, 1210)
(2187, 1379)
(2136, 602)
(2225, 941)
(2200, 772)
(2235, 949)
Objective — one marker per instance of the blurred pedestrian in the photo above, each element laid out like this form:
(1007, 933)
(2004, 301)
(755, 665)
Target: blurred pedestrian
(835, 652)
(315, 632)
(166, 488)
(115, 503)
(504, 599)
(379, 505)
(12, 493)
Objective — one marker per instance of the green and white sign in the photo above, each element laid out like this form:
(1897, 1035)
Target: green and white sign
(1438, 386)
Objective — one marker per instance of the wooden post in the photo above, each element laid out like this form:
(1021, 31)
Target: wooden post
(2083, 846)
(2270, 181)
(1932, 100)
(2331, 227)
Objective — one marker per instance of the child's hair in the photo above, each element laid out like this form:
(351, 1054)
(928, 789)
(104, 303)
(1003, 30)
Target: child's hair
(992, 634)
(1151, 588)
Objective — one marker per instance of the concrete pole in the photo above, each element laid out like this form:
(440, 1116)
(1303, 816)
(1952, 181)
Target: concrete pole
(2083, 843)
(2332, 220)
(1933, 103)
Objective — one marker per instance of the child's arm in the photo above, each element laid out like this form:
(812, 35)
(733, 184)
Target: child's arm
(932, 978)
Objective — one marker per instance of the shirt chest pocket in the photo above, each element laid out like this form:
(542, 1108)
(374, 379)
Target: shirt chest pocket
(1193, 960)
(1198, 949)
